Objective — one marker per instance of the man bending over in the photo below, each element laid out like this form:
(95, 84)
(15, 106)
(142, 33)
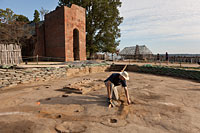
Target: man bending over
(114, 80)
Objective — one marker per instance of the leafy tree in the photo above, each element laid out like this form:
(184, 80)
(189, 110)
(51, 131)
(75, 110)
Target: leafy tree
(36, 16)
(102, 23)
(22, 18)
(43, 12)
(7, 16)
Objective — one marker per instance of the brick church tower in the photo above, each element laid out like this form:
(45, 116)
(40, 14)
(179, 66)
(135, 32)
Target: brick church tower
(63, 34)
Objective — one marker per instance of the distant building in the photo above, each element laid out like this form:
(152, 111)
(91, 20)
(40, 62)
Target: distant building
(136, 52)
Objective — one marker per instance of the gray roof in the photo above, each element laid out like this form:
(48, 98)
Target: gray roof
(143, 50)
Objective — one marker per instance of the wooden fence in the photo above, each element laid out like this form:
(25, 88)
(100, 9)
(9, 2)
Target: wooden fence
(10, 54)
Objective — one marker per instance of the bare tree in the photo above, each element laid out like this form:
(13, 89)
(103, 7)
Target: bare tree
(14, 32)
(43, 12)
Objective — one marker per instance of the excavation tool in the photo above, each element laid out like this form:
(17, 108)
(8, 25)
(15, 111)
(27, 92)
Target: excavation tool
(124, 68)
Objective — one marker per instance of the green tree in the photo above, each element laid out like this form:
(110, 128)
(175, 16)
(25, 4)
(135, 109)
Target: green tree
(7, 16)
(36, 16)
(22, 18)
(102, 23)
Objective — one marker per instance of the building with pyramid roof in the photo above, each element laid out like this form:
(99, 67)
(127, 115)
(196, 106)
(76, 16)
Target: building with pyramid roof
(140, 52)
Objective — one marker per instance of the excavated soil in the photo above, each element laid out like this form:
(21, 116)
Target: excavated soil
(78, 104)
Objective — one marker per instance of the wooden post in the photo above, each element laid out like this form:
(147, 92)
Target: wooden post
(37, 59)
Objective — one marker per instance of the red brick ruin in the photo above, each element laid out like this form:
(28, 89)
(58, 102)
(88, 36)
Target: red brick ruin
(63, 34)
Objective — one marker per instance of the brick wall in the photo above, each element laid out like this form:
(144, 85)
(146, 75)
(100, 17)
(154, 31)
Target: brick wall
(58, 38)
(54, 33)
(75, 19)
(39, 46)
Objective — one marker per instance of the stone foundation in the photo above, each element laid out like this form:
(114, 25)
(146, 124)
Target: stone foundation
(12, 77)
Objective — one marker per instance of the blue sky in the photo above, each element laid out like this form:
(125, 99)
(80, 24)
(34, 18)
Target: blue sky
(27, 7)
(171, 26)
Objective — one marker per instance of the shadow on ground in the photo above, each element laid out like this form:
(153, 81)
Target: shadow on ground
(99, 100)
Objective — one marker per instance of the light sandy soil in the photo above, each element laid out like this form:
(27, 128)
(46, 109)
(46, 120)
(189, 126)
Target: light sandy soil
(161, 105)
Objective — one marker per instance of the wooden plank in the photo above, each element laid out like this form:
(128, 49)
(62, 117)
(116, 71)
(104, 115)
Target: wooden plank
(10, 54)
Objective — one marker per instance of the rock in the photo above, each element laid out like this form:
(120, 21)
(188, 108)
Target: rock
(11, 85)
(24, 82)
(6, 82)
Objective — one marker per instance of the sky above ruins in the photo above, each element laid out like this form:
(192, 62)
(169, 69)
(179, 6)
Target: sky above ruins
(171, 26)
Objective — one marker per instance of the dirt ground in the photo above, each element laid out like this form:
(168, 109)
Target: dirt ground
(161, 105)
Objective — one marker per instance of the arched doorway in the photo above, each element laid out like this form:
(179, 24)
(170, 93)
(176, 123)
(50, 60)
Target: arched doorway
(76, 48)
